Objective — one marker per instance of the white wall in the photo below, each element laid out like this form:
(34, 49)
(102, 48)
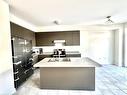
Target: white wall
(120, 45)
(84, 38)
(23, 23)
(116, 47)
(6, 67)
(100, 47)
(126, 45)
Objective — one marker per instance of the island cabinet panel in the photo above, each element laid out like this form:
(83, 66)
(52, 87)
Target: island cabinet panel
(47, 38)
(68, 78)
(67, 73)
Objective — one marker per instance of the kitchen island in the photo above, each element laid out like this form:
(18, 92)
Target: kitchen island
(66, 74)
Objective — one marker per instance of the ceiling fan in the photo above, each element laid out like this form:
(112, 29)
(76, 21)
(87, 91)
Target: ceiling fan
(109, 21)
(104, 21)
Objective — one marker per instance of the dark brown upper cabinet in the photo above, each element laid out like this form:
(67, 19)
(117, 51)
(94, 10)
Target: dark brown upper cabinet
(47, 38)
(21, 32)
(76, 38)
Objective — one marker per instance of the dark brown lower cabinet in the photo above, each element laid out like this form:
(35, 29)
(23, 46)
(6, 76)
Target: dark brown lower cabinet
(42, 56)
(73, 55)
(21, 75)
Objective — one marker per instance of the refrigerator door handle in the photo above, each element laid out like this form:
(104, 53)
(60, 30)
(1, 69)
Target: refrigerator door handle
(17, 63)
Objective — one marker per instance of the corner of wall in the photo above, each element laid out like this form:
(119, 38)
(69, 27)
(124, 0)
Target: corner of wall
(23, 23)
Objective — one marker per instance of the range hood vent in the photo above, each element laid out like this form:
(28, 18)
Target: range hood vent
(59, 41)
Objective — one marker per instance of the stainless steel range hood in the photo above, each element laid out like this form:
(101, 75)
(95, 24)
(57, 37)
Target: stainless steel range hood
(59, 41)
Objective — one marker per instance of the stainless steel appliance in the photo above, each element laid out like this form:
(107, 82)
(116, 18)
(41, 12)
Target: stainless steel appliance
(59, 53)
(22, 60)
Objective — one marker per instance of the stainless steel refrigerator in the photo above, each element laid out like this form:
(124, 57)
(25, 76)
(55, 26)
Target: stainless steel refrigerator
(22, 60)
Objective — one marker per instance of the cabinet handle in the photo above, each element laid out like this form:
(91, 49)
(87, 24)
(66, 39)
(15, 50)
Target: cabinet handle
(31, 59)
(15, 56)
(21, 65)
(18, 63)
(25, 72)
(16, 72)
(16, 79)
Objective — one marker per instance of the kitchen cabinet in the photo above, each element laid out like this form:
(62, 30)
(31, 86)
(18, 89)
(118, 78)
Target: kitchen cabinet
(19, 31)
(47, 38)
(42, 56)
(68, 38)
(73, 55)
(76, 38)
(44, 39)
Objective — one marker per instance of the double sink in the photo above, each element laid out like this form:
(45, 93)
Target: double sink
(66, 59)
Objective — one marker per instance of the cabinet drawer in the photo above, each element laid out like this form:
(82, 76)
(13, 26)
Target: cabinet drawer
(17, 83)
(29, 73)
(40, 57)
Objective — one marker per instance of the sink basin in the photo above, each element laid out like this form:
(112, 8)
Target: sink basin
(59, 60)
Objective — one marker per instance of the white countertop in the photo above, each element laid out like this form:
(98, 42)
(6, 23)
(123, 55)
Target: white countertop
(67, 52)
(75, 62)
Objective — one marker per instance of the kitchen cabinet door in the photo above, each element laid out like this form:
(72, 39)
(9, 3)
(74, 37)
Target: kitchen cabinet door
(76, 38)
(68, 38)
(47, 38)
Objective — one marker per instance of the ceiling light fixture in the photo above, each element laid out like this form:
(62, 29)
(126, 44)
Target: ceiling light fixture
(109, 21)
(56, 22)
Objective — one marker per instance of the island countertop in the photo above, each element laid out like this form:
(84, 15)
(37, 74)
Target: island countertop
(74, 62)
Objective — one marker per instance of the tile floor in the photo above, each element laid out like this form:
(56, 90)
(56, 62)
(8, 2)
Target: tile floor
(110, 80)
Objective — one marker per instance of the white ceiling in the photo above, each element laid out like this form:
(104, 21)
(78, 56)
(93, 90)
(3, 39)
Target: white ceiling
(69, 12)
